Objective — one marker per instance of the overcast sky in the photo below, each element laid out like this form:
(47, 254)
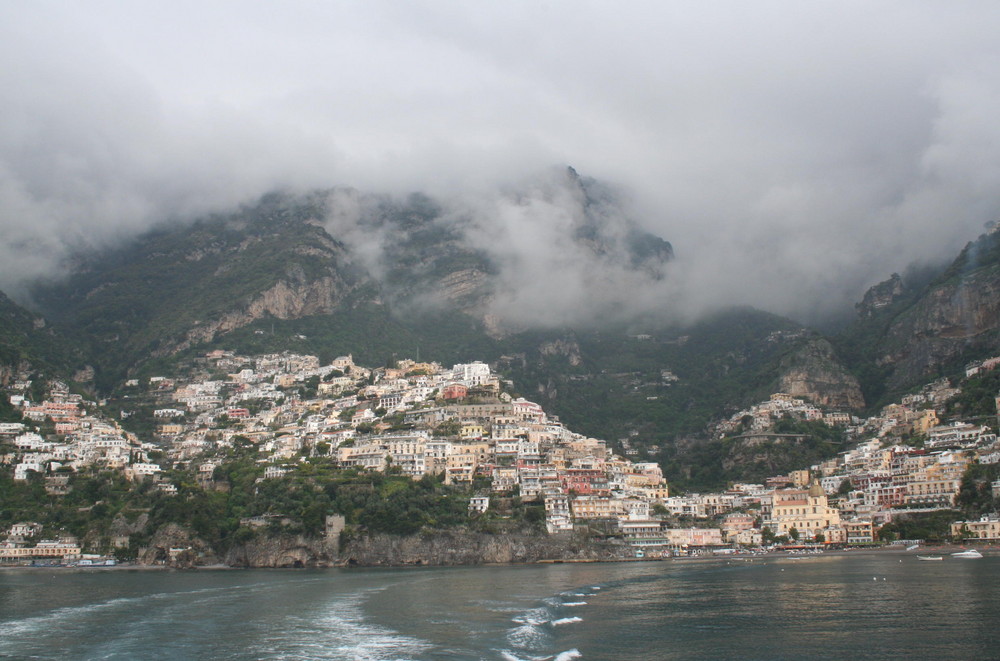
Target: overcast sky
(793, 152)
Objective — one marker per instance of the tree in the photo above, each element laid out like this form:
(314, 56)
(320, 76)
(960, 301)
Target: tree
(448, 428)
(793, 532)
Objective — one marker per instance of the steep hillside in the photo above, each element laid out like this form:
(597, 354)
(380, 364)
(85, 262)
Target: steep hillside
(908, 333)
(339, 272)
(329, 252)
(184, 285)
(29, 344)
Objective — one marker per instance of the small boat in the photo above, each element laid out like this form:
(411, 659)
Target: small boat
(913, 547)
(971, 553)
(929, 558)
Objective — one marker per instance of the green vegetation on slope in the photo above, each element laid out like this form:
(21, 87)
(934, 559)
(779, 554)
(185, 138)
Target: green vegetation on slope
(130, 302)
(25, 339)
(100, 502)
(713, 464)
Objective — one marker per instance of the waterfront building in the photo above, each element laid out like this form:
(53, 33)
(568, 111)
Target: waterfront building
(805, 510)
(985, 529)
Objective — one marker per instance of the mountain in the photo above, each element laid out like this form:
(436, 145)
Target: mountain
(913, 329)
(174, 287)
(31, 346)
(341, 271)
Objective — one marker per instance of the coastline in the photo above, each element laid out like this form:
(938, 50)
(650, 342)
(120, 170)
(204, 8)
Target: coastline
(944, 550)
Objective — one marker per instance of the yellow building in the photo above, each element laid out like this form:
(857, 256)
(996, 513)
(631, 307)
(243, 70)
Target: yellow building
(800, 478)
(593, 507)
(986, 528)
(806, 510)
(937, 485)
(926, 421)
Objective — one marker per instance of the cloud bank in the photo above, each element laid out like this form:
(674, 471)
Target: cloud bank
(792, 153)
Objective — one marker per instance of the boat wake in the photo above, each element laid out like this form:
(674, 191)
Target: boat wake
(540, 629)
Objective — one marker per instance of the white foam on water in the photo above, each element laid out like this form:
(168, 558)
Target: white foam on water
(534, 617)
(70, 616)
(341, 632)
(530, 622)
(507, 656)
(526, 637)
(498, 605)
(566, 620)
(569, 654)
(574, 603)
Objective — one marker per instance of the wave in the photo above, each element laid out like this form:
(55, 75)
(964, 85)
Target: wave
(527, 637)
(507, 656)
(568, 654)
(574, 603)
(533, 617)
(566, 620)
(343, 632)
(68, 616)
(529, 621)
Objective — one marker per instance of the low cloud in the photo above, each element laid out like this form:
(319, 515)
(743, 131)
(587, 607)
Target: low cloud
(793, 155)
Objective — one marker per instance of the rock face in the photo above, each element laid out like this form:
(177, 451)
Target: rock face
(880, 296)
(952, 319)
(814, 373)
(566, 347)
(957, 317)
(459, 287)
(285, 300)
(175, 546)
(283, 551)
(468, 548)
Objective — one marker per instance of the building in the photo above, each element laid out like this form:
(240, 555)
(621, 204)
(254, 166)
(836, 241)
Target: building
(479, 504)
(455, 391)
(687, 538)
(985, 529)
(859, 531)
(805, 510)
(65, 549)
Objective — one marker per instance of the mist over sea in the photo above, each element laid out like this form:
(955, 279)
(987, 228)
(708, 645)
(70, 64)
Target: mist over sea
(872, 606)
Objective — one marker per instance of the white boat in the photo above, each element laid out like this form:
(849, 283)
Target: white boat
(928, 558)
(971, 553)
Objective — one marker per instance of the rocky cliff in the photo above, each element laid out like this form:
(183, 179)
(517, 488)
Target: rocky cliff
(175, 546)
(952, 321)
(955, 318)
(813, 372)
(881, 296)
(285, 300)
(451, 547)
(283, 551)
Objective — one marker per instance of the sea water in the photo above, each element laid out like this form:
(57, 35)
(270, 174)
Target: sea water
(874, 606)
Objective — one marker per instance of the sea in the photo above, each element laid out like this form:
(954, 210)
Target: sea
(850, 606)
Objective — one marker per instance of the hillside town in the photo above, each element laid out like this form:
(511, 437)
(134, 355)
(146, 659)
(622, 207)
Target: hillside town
(462, 423)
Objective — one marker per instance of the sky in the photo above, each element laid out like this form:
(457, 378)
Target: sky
(793, 153)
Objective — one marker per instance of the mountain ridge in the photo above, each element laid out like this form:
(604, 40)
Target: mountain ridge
(340, 272)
